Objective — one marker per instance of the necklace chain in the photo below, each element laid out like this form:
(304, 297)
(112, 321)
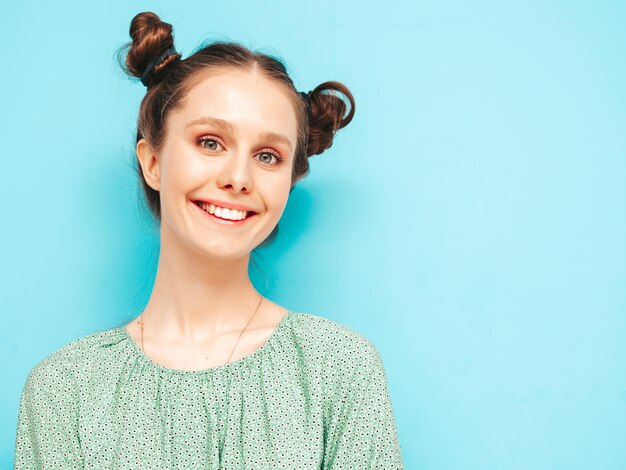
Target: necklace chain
(235, 347)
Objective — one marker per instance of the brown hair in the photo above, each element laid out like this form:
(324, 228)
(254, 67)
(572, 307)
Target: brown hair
(319, 117)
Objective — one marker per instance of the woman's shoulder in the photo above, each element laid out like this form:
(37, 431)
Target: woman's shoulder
(76, 356)
(346, 359)
(335, 339)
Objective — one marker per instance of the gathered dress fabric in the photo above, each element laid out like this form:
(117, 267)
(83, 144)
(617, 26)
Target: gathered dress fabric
(314, 396)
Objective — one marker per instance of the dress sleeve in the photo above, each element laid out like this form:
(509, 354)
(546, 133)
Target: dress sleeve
(47, 428)
(360, 429)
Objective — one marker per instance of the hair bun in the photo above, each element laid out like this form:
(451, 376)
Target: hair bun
(327, 115)
(152, 48)
(157, 63)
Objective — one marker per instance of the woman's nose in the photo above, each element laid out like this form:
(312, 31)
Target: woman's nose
(236, 173)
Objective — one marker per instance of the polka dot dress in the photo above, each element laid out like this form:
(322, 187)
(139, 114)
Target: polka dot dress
(314, 396)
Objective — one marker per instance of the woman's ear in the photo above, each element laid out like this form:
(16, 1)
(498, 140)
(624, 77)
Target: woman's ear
(149, 164)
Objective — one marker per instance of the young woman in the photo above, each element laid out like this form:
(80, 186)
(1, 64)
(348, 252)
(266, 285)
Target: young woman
(211, 374)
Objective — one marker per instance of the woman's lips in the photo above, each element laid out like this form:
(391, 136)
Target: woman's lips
(225, 221)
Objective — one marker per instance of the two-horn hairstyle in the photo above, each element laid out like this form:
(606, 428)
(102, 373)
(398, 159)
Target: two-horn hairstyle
(171, 78)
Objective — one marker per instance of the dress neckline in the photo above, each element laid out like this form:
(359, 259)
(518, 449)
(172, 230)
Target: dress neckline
(234, 364)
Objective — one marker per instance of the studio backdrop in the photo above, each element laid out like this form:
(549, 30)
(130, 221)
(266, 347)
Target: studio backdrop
(470, 221)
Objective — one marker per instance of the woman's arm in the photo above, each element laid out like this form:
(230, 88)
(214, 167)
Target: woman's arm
(47, 428)
(360, 430)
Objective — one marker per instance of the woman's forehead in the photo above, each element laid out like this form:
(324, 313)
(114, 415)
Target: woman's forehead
(239, 100)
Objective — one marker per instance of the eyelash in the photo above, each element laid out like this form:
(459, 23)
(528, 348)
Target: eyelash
(279, 159)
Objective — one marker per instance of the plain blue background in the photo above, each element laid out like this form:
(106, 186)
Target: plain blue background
(470, 221)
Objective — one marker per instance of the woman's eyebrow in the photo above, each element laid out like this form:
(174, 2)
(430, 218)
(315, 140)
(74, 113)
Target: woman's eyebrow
(273, 136)
(211, 120)
(228, 126)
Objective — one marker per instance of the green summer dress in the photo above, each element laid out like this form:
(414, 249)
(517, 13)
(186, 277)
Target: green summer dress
(314, 396)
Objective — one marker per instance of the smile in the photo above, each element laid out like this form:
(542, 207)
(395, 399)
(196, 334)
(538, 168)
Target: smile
(226, 216)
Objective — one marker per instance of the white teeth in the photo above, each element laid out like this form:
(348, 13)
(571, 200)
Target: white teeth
(222, 213)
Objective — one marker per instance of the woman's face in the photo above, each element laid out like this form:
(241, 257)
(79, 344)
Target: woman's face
(232, 141)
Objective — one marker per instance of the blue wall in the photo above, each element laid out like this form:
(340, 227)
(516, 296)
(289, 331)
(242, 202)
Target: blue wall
(471, 220)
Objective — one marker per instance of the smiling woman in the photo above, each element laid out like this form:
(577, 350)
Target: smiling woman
(211, 374)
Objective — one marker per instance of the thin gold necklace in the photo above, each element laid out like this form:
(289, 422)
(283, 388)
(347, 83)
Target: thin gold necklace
(231, 353)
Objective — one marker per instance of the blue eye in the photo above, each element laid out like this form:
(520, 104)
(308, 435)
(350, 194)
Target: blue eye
(201, 140)
(278, 158)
